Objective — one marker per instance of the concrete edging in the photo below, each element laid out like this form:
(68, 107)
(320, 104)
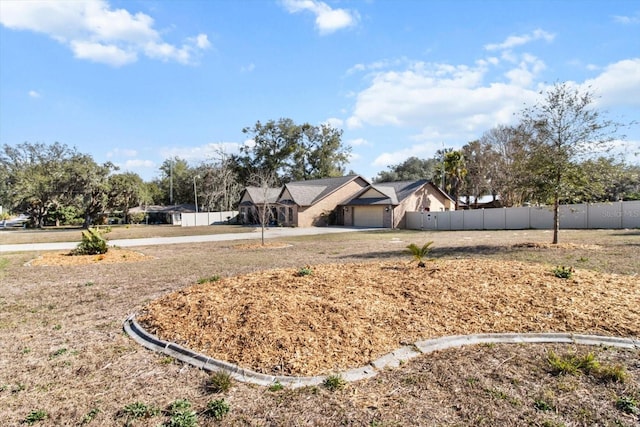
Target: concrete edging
(390, 360)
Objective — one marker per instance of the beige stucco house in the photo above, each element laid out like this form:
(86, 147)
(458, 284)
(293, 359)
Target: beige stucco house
(385, 204)
(314, 202)
(252, 204)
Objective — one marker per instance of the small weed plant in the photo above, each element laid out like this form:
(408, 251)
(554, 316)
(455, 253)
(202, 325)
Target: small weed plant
(334, 382)
(210, 279)
(587, 364)
(563, 272)
(182, 415)
(420, 253)
(612, 373)
(276, 386)
(219, 382)
(92, 243)
(628, 405)
(572, 364)
(35, 416)
(542, 405)
(138, 410)
(217, 409)
(304, 271)
(90, 416)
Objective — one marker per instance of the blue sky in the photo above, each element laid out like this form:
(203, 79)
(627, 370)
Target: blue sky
(137, 82)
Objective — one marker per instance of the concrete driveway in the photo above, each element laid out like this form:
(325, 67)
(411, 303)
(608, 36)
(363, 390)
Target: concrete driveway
(269, 233)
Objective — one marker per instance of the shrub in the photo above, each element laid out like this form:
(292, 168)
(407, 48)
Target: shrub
(420, 253)
(139, 410)
(182, 415)
(219, 382)
(563, 272)
(304, 271)
(217, 409)
(92, 243)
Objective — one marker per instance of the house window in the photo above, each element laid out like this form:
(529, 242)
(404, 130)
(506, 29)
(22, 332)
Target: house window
(291, 215)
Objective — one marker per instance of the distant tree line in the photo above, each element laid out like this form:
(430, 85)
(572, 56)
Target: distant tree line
(558, 152)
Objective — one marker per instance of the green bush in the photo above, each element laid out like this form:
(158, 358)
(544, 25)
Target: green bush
(420, 253)
(563, 272)
(217, 409)
(92, 243)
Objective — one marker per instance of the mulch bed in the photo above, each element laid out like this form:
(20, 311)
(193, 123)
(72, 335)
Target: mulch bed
(345, 315)
(113, 255)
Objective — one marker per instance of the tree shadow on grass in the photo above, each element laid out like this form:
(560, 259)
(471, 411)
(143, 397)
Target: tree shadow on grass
(441, 251)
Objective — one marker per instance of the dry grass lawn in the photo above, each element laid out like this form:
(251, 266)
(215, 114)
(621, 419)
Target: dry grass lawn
(63, 352)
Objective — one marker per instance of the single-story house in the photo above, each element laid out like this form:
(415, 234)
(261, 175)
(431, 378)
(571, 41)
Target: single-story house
(157, 214)
(385, 204)
(314, 202)
(253, 201)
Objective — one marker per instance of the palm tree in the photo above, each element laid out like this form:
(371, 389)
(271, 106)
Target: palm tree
(420, 253)
(455, 171)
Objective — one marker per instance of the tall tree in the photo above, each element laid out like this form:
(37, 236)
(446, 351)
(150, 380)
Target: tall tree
(220, 188)
(291, 152)
(175, 182)
(89, 186)
(35, 178)
(478, 159)
(455, 170)
(126, 190)
(411, 169)
(564, 128)
(508, 152)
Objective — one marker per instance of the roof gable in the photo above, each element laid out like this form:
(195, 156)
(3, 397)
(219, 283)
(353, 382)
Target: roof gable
(257, 195)
(307, 193)
(390, 193)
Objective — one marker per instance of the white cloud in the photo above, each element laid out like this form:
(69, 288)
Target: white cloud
(627, 20)
(442, 96)
(122, 152)
(95, 31)
(34, 94)
(328, 20)
(393, 158)
(357, 142)
(248, 68)
(334, 122)
(618, 84)
(514, 41)
(137, 164)
(203, 152)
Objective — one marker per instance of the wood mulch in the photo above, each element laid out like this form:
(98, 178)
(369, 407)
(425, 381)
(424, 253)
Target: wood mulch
(345, 315)
(113, 255)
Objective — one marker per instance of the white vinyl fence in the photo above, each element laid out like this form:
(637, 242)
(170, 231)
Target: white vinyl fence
(207, 218)
(596, 215)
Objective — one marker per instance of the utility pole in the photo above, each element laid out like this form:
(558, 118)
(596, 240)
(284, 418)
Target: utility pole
(171, 182)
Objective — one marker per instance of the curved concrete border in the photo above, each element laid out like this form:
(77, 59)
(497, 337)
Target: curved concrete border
(390, 360)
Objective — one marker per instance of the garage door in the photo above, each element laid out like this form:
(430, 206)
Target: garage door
(368, 216)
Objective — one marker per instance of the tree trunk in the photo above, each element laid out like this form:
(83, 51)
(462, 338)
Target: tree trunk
(556, 220)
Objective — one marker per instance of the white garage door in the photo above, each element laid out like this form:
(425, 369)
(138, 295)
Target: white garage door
(368, 216)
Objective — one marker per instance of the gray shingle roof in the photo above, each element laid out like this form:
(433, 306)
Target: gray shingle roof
(257, 194)
(392, 193)
(306, 193)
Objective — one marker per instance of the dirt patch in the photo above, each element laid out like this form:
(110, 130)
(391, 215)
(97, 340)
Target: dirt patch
(112, 256)
(345, 315)
(569, 246)
(269, 245)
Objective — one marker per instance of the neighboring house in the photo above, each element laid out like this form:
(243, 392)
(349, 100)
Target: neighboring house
(156, 214)
(314, 202)
(385, 204)
(253, 201)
